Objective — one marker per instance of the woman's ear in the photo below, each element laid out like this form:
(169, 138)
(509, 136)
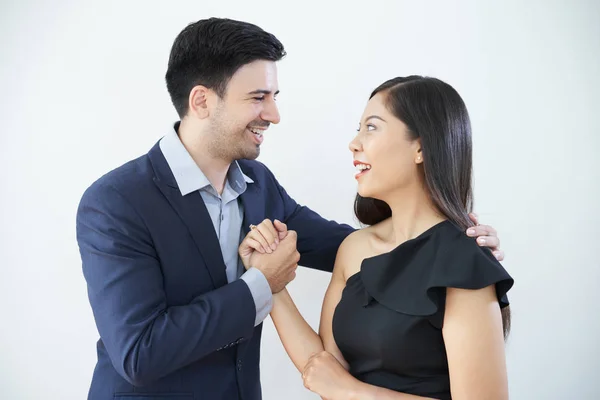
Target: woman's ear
(418, 152)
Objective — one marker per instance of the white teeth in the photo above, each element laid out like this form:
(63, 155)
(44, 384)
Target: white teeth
(256, 131)
(362, 167)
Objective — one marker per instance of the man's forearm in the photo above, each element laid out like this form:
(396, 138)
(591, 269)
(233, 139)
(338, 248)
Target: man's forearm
(148, 349)
(261, 293)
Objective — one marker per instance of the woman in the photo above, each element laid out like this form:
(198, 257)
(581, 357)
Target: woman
(415, 308)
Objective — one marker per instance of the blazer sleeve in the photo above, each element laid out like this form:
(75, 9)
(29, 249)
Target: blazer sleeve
(145, 338)
(318, 238)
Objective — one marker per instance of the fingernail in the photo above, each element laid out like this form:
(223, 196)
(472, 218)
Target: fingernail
(481, 240)
(273, 246)
(470, 231)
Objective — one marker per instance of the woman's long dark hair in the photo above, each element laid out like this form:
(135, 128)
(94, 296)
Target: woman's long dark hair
(434, 113)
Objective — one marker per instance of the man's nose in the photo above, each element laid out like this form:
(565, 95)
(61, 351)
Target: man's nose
(271, 113)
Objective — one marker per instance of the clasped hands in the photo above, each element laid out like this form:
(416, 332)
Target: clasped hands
(271, 248)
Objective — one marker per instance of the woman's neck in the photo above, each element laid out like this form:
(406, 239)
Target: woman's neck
(413, 213)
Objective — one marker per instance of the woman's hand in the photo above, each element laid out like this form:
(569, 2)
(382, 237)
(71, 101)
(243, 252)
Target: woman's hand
(263, 238)
(324, 375)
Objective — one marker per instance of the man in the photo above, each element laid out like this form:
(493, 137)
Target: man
(177, 315)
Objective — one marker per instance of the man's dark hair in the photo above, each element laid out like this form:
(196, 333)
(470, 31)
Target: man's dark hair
(210, 51)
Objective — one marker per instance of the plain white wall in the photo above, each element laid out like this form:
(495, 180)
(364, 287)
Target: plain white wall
(82, 91)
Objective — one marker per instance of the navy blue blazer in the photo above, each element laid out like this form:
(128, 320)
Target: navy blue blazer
(170, 325)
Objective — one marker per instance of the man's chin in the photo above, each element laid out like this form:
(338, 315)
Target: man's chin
(251, 154)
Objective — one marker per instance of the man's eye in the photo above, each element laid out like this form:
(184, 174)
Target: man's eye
(259, 98)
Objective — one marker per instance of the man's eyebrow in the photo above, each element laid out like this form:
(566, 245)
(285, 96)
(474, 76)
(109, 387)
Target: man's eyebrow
(262, 91)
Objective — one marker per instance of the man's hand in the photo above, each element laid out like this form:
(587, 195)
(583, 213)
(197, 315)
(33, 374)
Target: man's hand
(486, 236)
(272, 250)
(263, 238)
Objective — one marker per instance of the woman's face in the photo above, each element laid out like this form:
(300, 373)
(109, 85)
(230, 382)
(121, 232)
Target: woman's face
(386, 158)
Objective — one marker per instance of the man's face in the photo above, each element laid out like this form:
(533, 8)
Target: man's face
(248, 107)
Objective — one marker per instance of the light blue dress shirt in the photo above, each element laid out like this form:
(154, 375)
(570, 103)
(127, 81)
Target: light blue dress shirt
(226, 214)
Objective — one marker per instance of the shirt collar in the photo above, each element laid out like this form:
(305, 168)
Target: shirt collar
(188, 175)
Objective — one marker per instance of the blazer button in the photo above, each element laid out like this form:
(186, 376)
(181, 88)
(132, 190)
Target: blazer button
(239, 365)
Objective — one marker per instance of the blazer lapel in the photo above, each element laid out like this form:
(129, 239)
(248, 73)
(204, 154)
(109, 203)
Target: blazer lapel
(193, 213)
(253, 203)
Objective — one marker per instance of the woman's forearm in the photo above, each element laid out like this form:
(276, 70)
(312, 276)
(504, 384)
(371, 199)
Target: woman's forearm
(364, 391)
(299, 339)
(301, 342)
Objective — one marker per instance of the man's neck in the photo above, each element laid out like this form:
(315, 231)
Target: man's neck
(215, 169)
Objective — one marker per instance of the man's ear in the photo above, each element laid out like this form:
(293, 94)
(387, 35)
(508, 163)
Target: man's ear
(199, 101)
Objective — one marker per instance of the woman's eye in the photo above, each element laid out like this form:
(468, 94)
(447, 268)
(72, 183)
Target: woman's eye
(370, 127)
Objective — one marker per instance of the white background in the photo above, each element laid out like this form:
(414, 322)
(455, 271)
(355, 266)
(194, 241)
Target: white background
(82, 91)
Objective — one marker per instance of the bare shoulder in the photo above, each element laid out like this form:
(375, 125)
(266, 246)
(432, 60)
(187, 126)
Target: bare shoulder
(357, 246)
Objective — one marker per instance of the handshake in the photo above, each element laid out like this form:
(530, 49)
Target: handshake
(271, 248)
